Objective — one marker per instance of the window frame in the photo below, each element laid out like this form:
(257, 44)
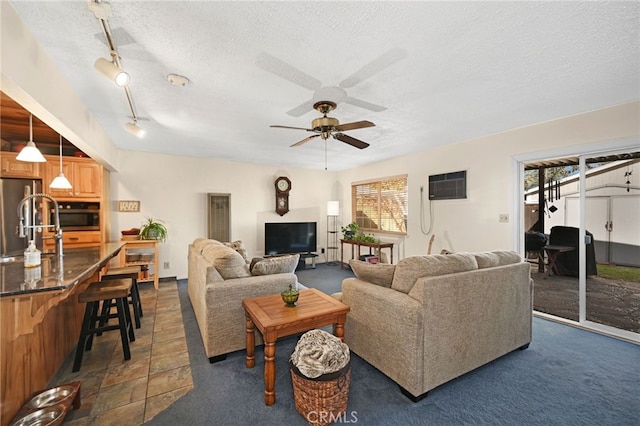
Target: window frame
(380, 219)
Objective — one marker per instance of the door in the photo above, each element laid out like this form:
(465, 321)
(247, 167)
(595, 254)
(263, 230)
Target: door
(595, 222)
(613, 221)
(624, 227)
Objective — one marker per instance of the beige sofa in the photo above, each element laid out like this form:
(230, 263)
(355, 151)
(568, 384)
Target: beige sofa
(219, 277)
(430, 319)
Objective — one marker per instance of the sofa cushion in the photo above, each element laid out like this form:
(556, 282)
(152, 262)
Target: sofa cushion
(275, 265)
(201, 243)
(496, 258)
(411, 268)
(239, 247)
(228, 262)
(375, 273)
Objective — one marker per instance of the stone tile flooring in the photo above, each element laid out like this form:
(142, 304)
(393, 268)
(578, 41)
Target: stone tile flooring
(119, 392)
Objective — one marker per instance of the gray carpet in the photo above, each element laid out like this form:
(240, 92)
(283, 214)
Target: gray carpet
(566, 377)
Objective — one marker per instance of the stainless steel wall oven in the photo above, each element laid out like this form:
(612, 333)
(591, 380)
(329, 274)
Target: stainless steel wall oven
(79, 216)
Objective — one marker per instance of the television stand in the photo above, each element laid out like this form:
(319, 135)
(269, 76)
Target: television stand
(302, 263)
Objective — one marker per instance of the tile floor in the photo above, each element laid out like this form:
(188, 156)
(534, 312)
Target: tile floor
(117, 392)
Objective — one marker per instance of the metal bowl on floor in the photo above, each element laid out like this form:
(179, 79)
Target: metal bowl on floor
(43, 417)
(50, 397)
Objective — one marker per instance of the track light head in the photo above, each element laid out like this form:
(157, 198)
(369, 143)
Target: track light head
(112, 71)
(134, 129)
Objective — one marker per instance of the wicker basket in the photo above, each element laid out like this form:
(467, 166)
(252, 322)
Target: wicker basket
(322, 400)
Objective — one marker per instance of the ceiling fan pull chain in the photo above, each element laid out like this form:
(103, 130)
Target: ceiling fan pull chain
(325, 154)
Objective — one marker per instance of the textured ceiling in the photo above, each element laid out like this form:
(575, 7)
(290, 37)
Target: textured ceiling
(426, 73)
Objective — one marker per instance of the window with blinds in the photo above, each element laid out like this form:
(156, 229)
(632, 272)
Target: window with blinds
(380, 205)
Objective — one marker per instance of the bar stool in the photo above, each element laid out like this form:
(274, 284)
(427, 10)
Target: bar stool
(115, 290)
(131, 272)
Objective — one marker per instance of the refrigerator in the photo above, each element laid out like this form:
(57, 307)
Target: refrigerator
(12, 191)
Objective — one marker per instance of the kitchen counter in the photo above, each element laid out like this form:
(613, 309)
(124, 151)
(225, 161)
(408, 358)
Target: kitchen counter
(55, 273)
(40, 319)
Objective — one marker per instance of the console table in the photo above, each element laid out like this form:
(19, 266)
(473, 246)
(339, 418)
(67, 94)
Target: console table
(372, 246)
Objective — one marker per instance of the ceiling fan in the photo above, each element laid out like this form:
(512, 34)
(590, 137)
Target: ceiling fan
(337, 93)
(329, 126)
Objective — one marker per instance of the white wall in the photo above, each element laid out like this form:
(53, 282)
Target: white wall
(174, 188)
(492, 182)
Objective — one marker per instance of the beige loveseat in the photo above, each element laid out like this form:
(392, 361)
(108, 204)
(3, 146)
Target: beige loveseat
(219, 277)
(430, 319)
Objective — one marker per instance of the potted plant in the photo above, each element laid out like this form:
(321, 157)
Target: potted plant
(349, 231)
(153, 229)
(361, 237)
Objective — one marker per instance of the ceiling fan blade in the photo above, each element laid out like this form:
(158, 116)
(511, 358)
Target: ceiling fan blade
(305, 140)
(381, 62)
(351, 141)
(290, 127)
(364, 104)
(282, 69)
(355, 125)
(302, 109)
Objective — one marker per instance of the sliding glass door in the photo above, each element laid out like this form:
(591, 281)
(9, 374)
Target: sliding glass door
(588, 271)
(610, 298)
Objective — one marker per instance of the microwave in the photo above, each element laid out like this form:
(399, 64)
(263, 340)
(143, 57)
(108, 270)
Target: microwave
(78, 216)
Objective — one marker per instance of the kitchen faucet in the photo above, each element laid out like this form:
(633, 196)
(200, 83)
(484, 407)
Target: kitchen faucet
(23, 229)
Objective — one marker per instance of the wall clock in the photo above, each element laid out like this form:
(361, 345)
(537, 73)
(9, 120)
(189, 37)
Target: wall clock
(283, 186)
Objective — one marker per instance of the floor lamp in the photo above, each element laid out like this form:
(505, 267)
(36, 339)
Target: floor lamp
(333, 210)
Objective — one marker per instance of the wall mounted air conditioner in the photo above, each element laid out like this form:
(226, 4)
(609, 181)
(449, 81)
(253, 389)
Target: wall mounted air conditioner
(448, 186)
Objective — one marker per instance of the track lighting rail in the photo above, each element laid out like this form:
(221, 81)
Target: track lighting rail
(102, 11)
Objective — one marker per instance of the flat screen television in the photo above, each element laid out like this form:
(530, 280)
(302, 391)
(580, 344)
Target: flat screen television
(290, 237)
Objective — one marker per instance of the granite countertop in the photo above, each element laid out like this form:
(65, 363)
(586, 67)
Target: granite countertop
(56, 273)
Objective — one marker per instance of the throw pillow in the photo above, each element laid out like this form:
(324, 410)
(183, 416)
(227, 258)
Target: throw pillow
(496, 258)
(275, 265)
(237, 246)
(375, 273)
(227, 261)
(411, 268)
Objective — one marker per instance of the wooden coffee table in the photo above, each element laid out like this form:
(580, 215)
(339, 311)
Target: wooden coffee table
(270, 315)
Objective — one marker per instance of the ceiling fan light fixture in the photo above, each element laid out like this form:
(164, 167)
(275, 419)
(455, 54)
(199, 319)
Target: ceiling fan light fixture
(132, 127)
(30, 153)
(112, 71)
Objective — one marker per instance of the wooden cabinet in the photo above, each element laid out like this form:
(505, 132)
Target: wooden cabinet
(73, 239)
(11, 167)
(142, 253)
(84, 174)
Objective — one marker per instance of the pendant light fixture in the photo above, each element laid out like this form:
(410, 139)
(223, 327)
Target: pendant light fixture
(30, 153)
(60, 181)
